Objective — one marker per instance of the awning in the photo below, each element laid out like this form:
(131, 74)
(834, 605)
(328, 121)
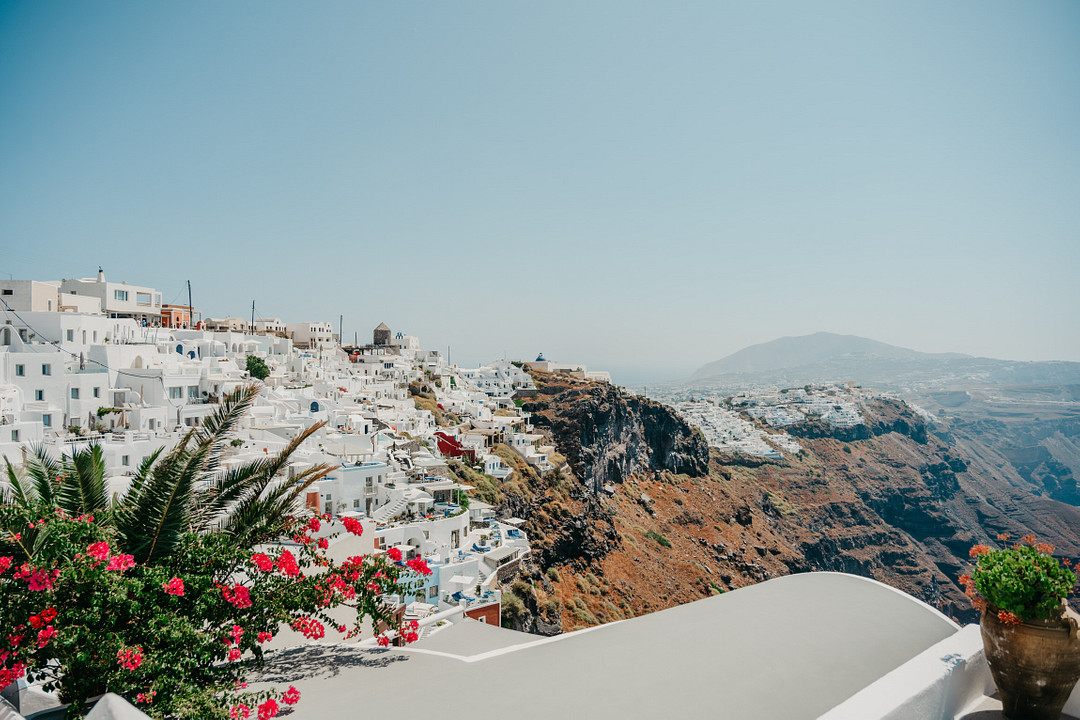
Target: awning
(512, 521)
(463, 580)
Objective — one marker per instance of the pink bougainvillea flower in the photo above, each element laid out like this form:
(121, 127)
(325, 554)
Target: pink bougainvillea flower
(10, 675)
(291, 696)
(5, 563)
(45, 635)
(265, 637)
(146, 698)
(287, 564)
(174, 587)
(383, 641)
(234, 655)
(353, 525)
(120, 563)
(98, 551)
(240, 712)
(268, 710)
(394, 554)
(324, 543)
(262, 561)
(40, 580)
(130, 659)
(314, 525)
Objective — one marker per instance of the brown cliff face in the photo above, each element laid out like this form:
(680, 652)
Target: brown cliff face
(892, 501)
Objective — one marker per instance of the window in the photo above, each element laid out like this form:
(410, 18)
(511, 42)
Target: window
(74, 393)
(142, 298)
(121, 295)
(71, 336)
(356, 502)
(329, 507)
(20, 370)
(83, 337)
(151, 424)
(46, 420)
(95, 336)
(46, 369)
(14, 436)
(193, 392)
(8, 292)
(39, 395)
(433, 591)
(97, 392)
(176, 393)
(125, 460)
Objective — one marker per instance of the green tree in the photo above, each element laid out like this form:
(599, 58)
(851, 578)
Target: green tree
(257, 368)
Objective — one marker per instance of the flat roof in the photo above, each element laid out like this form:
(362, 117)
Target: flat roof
(792, 647)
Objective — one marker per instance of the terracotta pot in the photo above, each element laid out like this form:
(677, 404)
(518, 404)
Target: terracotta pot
(1035, 664)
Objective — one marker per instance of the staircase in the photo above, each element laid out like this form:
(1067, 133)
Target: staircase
(389, 510)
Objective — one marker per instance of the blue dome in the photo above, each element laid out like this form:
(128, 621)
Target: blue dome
(540, 358)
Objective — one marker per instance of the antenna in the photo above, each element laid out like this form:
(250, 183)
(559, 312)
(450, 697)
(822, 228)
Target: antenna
(191, 308)
(252, 328)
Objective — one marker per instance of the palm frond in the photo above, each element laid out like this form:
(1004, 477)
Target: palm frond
(83, 488)
(22, 492)
(245, 481)
(43, 471)
(257, 517)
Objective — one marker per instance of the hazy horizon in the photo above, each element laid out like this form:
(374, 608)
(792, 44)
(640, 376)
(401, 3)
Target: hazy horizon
(644, 188)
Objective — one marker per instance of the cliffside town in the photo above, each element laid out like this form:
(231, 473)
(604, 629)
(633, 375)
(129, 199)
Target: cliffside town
(542, 496)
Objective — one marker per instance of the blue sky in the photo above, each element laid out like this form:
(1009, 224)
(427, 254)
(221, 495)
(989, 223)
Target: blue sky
(644, 187)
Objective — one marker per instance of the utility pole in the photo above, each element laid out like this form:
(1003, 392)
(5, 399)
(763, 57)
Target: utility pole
(340, 325)
(252, 327)
(190, 307)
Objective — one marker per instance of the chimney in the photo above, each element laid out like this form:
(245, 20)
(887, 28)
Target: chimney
(100, 275)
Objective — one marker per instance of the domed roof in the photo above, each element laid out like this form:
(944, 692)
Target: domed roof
(540, 358)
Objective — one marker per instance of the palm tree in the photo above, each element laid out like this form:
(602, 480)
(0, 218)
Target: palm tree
(185, 490)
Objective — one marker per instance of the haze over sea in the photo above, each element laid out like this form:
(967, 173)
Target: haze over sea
(642, 187)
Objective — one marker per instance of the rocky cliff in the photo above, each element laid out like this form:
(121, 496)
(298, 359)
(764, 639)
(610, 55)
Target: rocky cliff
(641, 517)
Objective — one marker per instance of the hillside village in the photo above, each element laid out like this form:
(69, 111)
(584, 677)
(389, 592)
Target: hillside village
(94, 361)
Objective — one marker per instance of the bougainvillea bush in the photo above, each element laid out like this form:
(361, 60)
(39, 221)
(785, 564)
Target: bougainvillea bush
(177, 638)
(167, 596)
(1021, 582)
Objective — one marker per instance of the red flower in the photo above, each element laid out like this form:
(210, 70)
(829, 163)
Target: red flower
(324, 543)
(237, 633)
(419, 565)
(98, 551)
(121, 563)
(234, 655)
(353, 525)
(1003, 537)
(287, 564)
(313, 524)
(1008, 618)
(965, 579)
(1044, 548)
(1028, 539)
(45, 635)
(130, 659)
(265, 637)
(263, 562)
(310, 627)
(43, 618)
(291, 696)
(238, 595)
(239, 712)
(146, 698)
(394, 554)
(174, 587)
(5, 563)
(978, 550)
(383, 641)
(268, 710)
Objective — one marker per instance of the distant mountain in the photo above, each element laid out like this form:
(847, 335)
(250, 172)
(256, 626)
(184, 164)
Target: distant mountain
(827, 357)
(794, 352)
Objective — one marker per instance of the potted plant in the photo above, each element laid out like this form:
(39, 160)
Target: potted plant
(1029, 632)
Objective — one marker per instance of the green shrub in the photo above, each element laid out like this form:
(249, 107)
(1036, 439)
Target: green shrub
(660, 539)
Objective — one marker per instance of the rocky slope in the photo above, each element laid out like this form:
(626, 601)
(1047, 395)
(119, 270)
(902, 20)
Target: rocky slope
(641, 516)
